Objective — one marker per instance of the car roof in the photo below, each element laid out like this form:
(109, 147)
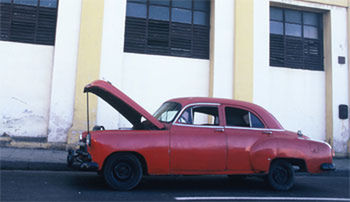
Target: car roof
(190, 100)
(267, 117)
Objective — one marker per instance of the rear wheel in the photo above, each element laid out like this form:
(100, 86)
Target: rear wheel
(123, 171)
(281, 175)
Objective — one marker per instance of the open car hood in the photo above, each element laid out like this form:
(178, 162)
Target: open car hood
(122, 103)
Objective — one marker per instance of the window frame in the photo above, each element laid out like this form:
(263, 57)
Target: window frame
(175, 38)
(43, 23)
(280, 57)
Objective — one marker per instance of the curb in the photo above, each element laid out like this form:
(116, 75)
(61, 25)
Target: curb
(22, 165)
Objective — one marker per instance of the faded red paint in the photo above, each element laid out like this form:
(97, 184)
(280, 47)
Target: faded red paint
(188, 149)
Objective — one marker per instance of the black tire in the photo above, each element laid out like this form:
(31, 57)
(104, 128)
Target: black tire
(281, 175)
(123, 171)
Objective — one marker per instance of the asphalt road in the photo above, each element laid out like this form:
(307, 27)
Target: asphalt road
(87, 186)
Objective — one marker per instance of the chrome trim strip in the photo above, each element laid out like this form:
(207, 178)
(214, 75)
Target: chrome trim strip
(197, 126)
(261, 129)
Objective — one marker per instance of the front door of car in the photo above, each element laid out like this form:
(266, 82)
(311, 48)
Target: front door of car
(198, 141)
(243, 129)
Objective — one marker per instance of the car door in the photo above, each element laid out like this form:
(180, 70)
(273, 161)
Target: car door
(198, 141)
(243, 128)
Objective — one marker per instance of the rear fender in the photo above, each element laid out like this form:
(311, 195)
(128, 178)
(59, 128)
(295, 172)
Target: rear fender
(263, 153)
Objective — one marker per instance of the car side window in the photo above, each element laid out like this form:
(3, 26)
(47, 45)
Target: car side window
(242, 118)
(200, 115)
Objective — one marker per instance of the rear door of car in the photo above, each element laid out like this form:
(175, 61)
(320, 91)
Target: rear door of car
(243, 128)
(198, 141)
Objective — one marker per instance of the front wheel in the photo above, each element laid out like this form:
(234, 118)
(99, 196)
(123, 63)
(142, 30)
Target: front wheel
(123, 171)
(281, 175)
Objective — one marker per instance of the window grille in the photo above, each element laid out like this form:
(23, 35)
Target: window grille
(28, 21)
(296, 39)
(168, 27)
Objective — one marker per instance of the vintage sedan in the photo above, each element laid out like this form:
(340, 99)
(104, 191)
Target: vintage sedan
(196, 136)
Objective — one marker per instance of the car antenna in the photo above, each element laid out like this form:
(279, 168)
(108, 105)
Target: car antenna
(87, 112)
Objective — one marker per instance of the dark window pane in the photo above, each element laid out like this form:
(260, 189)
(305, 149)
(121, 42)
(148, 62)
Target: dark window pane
(310, 18)
(276, 27)
(182, 3)
(160, 2)
(5, 1)
(276, 14)
(202, 5)
(200, 18)
(293, 30)
(293, 16)
(310, 32)
(48, 3)
(237, 117)
(159, 13)
(181, 15)
(26, 2)
(136, 10)
(256, 123)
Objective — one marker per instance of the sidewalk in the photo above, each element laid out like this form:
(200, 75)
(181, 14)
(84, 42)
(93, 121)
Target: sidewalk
(32, 159)
(55, 160)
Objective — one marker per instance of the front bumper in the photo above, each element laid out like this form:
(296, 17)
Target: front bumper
(80, 159)
(328, 166)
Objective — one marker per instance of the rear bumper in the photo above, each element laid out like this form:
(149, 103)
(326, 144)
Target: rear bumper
(328, 166)
(80, 159)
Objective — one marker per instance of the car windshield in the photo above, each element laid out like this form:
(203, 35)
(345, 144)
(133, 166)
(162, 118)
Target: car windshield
(167, 112)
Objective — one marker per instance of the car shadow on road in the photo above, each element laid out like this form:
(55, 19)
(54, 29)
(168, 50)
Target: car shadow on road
(201, 183)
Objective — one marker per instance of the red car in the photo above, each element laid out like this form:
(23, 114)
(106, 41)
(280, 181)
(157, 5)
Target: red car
(196, 136)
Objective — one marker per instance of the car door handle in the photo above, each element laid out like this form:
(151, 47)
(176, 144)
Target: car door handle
(219, 130)
(267, 132)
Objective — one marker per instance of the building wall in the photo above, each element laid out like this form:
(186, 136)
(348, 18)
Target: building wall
(148, 79)
(298, 97)
(38, 81)
(43, 88)
(25, 88)
(64, 70)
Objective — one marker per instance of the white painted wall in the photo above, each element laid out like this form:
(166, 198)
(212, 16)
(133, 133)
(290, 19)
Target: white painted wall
(223, 48)
(341, 133)
(64, 70)
(297, 97)
(112, 49)
(151, 80)
(25, 88)
(148, 79)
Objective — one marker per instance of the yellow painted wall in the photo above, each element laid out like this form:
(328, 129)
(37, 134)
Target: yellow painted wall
(243, 50)
(342, 3)
(329, 80)
(88, 66)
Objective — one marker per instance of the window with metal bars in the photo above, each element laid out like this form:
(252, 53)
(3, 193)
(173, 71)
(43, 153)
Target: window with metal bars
(28, 21)
(168, 27)
(296, 39)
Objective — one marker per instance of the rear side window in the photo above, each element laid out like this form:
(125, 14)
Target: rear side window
(242, 118)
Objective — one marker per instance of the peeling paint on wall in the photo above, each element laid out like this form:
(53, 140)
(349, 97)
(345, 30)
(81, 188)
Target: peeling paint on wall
(341, 142)
(24, 85)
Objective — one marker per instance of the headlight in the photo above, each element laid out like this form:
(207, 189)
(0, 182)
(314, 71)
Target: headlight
(88, 139)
